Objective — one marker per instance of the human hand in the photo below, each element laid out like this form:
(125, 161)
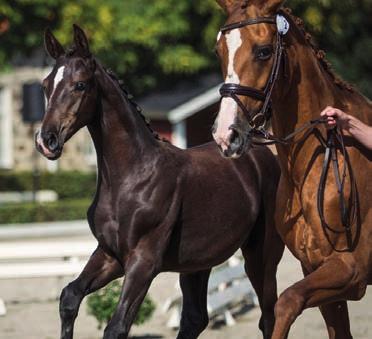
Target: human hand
(335, 116)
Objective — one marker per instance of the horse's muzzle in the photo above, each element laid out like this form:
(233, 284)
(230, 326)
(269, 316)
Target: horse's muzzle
(48, 145)
(236, 145)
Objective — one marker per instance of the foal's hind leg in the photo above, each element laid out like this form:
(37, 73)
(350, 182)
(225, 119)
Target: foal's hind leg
(194, 307)
(98, 272)
(262, 253)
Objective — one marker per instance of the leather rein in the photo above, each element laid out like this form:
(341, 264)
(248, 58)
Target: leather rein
(258, 121)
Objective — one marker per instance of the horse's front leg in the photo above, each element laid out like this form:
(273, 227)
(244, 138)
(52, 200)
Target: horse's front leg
(98, 272)
(333, 281)
(336, 317)
(140, 271)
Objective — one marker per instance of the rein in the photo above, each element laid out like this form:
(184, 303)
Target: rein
(258, 121)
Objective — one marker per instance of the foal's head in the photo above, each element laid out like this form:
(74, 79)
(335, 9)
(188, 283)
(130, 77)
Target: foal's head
(246, 53)
(71, 92)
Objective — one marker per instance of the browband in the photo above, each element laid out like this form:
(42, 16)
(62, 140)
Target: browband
(254, 21)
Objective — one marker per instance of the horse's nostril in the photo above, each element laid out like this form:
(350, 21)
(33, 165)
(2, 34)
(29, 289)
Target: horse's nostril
(234, 138)
(52, 142)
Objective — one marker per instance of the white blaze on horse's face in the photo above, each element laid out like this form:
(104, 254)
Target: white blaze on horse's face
(57, 79)
(228, 108)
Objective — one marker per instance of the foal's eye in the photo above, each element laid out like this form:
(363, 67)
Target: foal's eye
(80, 86)
(264, 53)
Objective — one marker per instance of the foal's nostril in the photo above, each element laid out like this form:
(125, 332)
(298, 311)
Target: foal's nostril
(52, 142)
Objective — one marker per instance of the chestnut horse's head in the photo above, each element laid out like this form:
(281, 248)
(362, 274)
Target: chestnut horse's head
(71, 94)
(249, 50)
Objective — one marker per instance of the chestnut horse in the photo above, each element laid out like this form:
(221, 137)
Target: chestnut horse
(268, 59)
(157, 208)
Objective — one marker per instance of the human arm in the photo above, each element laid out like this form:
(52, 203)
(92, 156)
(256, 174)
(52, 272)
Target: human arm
(359, 130)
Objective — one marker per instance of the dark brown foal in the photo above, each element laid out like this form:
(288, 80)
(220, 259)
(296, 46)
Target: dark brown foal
(157, 208)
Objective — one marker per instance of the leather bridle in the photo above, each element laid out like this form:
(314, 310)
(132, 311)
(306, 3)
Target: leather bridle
(257, 123)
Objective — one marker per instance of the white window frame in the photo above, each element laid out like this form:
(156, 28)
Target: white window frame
(6, 129)
(179, 135)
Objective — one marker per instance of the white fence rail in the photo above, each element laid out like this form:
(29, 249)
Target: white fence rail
(44, 250)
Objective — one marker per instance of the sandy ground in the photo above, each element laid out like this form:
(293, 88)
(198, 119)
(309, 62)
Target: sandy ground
(33, 312)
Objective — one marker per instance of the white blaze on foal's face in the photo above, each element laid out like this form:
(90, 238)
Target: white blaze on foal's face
(228, 108)
(57, 79)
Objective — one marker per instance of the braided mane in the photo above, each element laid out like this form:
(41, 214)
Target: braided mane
(138, 109)
(319, 53)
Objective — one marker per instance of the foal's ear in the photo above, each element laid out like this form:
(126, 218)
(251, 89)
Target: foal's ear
(52, 45)
(81, 41)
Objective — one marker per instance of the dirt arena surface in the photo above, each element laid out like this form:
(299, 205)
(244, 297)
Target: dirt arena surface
(33, 312)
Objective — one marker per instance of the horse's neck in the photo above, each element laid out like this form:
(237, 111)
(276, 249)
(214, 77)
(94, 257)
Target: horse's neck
(121, 138)
(300, 98)
(307, 91)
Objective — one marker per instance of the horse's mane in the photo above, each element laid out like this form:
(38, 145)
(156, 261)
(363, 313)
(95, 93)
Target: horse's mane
(319, 53)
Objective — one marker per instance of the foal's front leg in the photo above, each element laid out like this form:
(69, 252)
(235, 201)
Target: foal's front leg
(98, 272)
(140, 271)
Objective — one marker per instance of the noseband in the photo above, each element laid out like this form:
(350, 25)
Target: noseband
(257, 121)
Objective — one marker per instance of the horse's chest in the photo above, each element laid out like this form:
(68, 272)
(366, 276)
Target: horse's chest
(105, 227)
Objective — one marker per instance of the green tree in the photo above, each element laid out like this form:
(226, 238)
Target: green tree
(154, 43)
(343, 28)
(147, 42)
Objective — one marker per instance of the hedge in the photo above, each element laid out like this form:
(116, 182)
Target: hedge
(55, 211)
(102, 304)
(68, 185)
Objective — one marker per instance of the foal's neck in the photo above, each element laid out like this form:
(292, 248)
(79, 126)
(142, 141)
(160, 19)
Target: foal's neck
(120, 135)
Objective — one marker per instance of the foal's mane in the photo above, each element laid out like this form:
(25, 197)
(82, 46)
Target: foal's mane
(72, 51)
(319, 53)
(130, 98)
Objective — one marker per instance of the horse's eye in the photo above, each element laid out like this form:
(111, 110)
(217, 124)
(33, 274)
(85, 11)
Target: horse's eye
(264, 53)
(80, 86)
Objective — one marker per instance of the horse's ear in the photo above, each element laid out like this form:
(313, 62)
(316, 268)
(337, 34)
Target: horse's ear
(226, 4)
(272, 6)
(52, 45)
(81, 41)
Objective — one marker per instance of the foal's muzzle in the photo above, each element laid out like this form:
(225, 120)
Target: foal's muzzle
(48, 144)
